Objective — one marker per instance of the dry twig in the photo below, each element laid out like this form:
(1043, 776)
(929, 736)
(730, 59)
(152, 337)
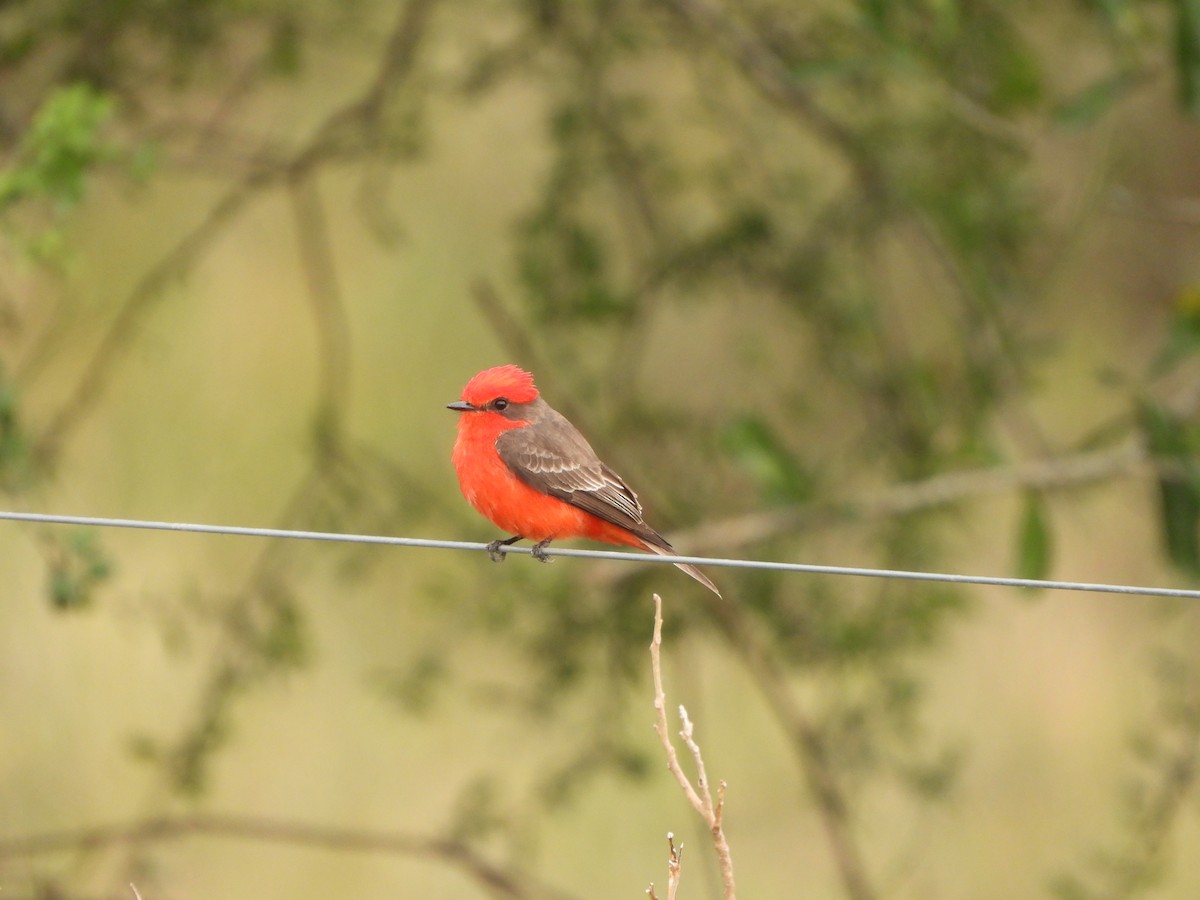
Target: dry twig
(674, 862)
(699, 796)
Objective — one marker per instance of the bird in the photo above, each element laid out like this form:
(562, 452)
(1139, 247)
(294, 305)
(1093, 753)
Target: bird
(531, 473)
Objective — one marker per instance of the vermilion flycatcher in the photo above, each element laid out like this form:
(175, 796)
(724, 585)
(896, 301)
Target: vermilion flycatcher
(531, 472)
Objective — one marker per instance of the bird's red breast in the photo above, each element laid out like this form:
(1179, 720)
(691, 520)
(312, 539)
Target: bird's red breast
(491, 487)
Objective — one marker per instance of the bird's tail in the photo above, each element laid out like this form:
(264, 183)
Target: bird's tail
(685, 567)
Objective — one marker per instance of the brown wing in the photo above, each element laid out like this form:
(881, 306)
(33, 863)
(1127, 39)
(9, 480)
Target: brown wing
(551, 456)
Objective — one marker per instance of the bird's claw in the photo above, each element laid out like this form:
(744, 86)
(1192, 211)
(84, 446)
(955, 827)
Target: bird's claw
(538, 551)
(495, 554)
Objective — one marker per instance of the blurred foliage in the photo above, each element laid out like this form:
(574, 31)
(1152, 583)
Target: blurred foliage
(1161, 783)
(754, 446)
(77, 566)
(62, 143)
(53, 160)
(1182, 343)
(781, 173)
(131, 42)
(263, 634)
(1187, 53)
(1177, 444)
(1035, 543)
(15, 455)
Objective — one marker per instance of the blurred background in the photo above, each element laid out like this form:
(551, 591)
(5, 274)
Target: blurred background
(854, 283)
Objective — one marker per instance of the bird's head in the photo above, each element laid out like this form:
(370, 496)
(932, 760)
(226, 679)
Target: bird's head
(496, 390)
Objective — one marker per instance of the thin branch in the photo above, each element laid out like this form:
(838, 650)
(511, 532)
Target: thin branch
(500, 881)
(329, 141)
(674, 867)
(399, 58)
(332, 327)
(660, 711)
(699, 797)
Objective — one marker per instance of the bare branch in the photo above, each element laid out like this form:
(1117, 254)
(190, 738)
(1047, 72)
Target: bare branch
(660, 712)
(701, 800)
(674, 862)
(674, 866)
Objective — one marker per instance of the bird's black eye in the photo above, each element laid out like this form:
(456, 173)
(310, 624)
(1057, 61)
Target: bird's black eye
(500, 403)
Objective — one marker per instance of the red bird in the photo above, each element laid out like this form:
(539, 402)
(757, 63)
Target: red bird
(530, 471)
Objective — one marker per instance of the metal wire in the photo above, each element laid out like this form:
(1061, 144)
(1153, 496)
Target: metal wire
(430, 544)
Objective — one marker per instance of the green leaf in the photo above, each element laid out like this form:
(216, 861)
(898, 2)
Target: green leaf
(1169, 439)
(59, 149)
(1187, 53)
(759, 452)
(876, 13)
(284, 50)
(16, 456)
(1019, 79)
(1180, 510)
(1183, 334)
(1035, 545)
(57, 153)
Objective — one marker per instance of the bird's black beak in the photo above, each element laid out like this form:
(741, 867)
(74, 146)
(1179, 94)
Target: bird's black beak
(460, 406)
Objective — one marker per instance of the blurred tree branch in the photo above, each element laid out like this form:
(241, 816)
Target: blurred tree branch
(350, 131)
(332, 328)
(497, 880)
(938, 491)
(762, 67)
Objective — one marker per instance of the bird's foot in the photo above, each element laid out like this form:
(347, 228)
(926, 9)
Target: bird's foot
(538, 551)
(495, 554)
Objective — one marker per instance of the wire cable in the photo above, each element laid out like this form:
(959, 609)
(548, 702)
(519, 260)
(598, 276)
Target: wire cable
(430, 544)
